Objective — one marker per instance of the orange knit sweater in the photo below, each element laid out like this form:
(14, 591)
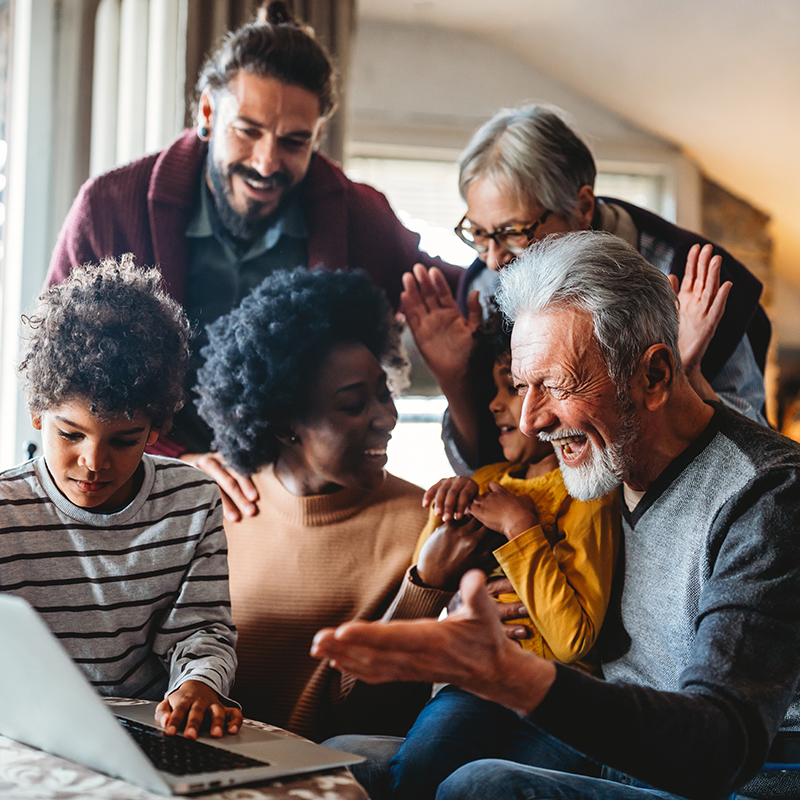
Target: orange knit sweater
(303, 563)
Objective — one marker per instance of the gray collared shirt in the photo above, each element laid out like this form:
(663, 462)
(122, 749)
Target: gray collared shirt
(220, 274)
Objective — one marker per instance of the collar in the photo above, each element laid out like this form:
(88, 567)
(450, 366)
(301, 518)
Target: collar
(288, 221)
(675, 467)
(314, 510)
(615, 219)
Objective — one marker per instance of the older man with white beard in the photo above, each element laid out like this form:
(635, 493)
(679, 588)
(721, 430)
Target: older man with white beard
(701, 660)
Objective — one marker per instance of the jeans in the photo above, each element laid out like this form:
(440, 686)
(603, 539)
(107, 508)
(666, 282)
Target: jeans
(472, 749)
(494, 779)
(372, 774)
(456, 728)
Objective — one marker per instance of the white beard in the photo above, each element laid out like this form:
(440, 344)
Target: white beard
(599, 474)
(603, 470)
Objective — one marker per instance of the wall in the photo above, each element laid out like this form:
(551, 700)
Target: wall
(466, 80)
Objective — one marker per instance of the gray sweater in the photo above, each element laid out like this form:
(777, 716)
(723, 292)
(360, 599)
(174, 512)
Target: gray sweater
(702, 658)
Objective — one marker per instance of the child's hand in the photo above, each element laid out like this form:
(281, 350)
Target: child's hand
(505, 512)
(452, 549)
(451, 497)
(509, 608)
(191, 701)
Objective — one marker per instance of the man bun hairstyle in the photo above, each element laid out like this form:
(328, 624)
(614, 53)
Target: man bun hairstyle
(111, 335)
(273, 47)
(533, 152)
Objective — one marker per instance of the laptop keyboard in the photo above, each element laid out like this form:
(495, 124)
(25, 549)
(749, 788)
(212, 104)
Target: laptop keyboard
(180, 756)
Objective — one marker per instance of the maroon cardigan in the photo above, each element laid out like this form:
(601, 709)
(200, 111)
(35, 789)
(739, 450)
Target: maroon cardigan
(145, 207)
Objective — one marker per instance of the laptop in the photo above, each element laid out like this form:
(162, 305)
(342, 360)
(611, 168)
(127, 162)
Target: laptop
(69, 719)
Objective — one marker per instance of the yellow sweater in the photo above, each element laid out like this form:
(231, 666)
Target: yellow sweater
(303, 563)
(560, 569)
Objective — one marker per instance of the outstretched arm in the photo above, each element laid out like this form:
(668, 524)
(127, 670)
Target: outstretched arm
(702, 304)
(445, 341)
(469, 649)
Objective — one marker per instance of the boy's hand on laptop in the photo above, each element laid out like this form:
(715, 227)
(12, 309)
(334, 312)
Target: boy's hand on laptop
(192, 701)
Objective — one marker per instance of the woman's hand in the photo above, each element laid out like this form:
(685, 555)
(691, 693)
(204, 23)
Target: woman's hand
(702, 304)
(505, 512)
(451, 497)
(443, 336)
(452, 549)
(239, 494)
(507, 606)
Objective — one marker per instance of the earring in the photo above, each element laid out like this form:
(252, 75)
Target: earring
(203, 133)
(294, 439)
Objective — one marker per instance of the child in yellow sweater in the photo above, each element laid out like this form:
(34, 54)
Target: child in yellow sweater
(559, 556)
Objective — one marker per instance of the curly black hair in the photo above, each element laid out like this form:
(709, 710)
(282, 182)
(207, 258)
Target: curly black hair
(277, 47)
(492, 344)
(264, 356)
(492, 339)
(111, 335)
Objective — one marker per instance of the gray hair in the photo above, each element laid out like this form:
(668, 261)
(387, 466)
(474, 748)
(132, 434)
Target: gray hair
(632, 303)
(533, 151)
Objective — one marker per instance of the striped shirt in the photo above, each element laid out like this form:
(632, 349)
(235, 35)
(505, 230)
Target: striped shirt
(138, 597)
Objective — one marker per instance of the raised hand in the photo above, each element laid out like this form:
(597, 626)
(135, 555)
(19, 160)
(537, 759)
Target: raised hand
(702, 304)
(443, 336)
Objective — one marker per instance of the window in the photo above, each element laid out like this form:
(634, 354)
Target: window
(423, 192)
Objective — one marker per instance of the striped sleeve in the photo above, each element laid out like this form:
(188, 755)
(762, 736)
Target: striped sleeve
(197, 638)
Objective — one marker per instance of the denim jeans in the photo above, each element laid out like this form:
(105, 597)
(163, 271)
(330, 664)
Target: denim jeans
(456, 728)
(488, 752)
(494, 779)
(372, 774)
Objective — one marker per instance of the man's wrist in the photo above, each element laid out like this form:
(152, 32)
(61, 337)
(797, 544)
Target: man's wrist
(525, 681)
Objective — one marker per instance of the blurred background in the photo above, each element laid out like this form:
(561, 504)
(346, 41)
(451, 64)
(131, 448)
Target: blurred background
(692, 109)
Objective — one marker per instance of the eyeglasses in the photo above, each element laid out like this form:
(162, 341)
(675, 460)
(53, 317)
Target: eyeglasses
(513, 238)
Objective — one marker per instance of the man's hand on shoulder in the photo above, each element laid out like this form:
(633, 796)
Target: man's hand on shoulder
(239, 494)
(192, 701)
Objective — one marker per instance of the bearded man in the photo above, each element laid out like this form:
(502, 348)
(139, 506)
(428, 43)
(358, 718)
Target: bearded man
(243, 194)
(701, 658)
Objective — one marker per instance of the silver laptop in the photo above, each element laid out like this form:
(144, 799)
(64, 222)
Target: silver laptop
(69, 719)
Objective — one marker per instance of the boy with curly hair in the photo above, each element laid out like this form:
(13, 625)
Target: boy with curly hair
(122, 553)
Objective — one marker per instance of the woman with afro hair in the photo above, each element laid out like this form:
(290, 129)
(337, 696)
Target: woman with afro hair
(295, 389)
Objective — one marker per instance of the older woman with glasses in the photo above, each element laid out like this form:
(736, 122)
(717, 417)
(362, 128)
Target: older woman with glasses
(526, 175)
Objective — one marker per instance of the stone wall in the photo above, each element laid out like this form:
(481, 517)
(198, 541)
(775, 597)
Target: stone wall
(743, 230)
